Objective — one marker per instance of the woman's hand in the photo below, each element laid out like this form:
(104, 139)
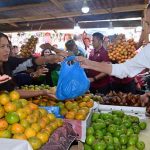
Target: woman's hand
(4, 78)
(49, 94)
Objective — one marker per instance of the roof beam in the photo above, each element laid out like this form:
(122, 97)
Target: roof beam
(73, 14)
(26, 6)
(13, 24)
(61, 7)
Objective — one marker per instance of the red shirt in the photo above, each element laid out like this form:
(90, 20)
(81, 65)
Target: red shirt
(99, 56)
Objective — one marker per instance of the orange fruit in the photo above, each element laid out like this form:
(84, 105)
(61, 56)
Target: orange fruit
(54, 125)
(36, 113)
(3, 124)
(32, 106)
(63, 111)
(82, 104)
(43, 136)
(50, 129)
(25, 123)
(29, 132)
(42, 123)
(80, 116)
(35, 142)
(24, 102)
(32, 119)
(2, 112)
(19, 136)
(5, 134)
(10, 107)
(12, 117)
(18, 104)
(43, 111)
(51, 117)
(17, 128)
(70, 115)
(90, 103)
(14, 95)
(4, 99)
(59, 122)
(47, 120)
(27, 109)
(22, 113)
(36, 127)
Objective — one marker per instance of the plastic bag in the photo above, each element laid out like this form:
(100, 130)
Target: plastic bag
(73, 81)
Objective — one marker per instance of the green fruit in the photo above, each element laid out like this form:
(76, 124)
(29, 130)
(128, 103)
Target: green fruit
(136, 129)
(110, 147)
(90, 139)
(99, 134)
(112, 128)
(134, 119)
(140, 145)
(108, 139)
(142, 125)
(89, 131)
(118, 113)
(95, 116)
(99, 145)
(12, 117)
(117, 133)
(127, 123)
(117, 121)
(116, 140)
(131, 148)
(130, 132)
(87, 147)
(123, 139)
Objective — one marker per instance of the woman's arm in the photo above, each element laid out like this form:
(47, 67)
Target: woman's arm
(128, 69)
(29, 94)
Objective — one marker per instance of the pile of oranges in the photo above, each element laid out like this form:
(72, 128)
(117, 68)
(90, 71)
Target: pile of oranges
(21, 119)
(71, 109)
(121, 49)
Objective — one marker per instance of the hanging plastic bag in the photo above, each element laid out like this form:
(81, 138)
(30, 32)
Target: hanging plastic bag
(73, 81)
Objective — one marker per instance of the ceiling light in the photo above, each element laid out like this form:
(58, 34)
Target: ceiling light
(85, 9)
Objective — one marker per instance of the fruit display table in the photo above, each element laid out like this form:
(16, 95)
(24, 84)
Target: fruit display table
(145, 135)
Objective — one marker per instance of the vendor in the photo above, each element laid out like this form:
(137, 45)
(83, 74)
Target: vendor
(8, 64)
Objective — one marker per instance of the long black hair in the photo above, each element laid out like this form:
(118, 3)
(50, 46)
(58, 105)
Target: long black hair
(3, 35)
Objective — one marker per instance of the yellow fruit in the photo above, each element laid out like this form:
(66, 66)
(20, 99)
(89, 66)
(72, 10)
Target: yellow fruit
(19, 136)
(3, 124)
(14, 95)
(51, 117)
(43, 136)
(29, 132)
(17, 128)
(4, 99)
(35, 142)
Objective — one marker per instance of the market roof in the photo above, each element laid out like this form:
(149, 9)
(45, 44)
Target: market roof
(21, 15)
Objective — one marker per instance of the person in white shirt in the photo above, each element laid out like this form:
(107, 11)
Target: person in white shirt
(130, 68)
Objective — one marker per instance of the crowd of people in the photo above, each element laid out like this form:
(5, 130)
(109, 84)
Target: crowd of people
(102, 73)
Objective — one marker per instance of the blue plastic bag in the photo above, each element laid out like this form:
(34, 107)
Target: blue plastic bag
(73, 81)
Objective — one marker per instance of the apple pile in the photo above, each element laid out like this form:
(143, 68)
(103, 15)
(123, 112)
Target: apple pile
(21, 119)
(121, 49)
(114, 131)
(28, 49)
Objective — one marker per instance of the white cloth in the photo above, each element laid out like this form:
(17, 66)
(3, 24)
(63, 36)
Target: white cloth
(133, 66)
(13, 144)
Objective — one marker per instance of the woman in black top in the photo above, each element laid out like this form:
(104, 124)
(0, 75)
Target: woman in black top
(8, 64)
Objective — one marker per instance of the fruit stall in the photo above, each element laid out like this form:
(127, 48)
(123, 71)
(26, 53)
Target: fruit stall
(89, 119)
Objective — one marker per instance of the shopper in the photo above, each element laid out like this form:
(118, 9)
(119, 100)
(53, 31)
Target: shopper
(8, 64)
(72, 48)
(100, 82)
